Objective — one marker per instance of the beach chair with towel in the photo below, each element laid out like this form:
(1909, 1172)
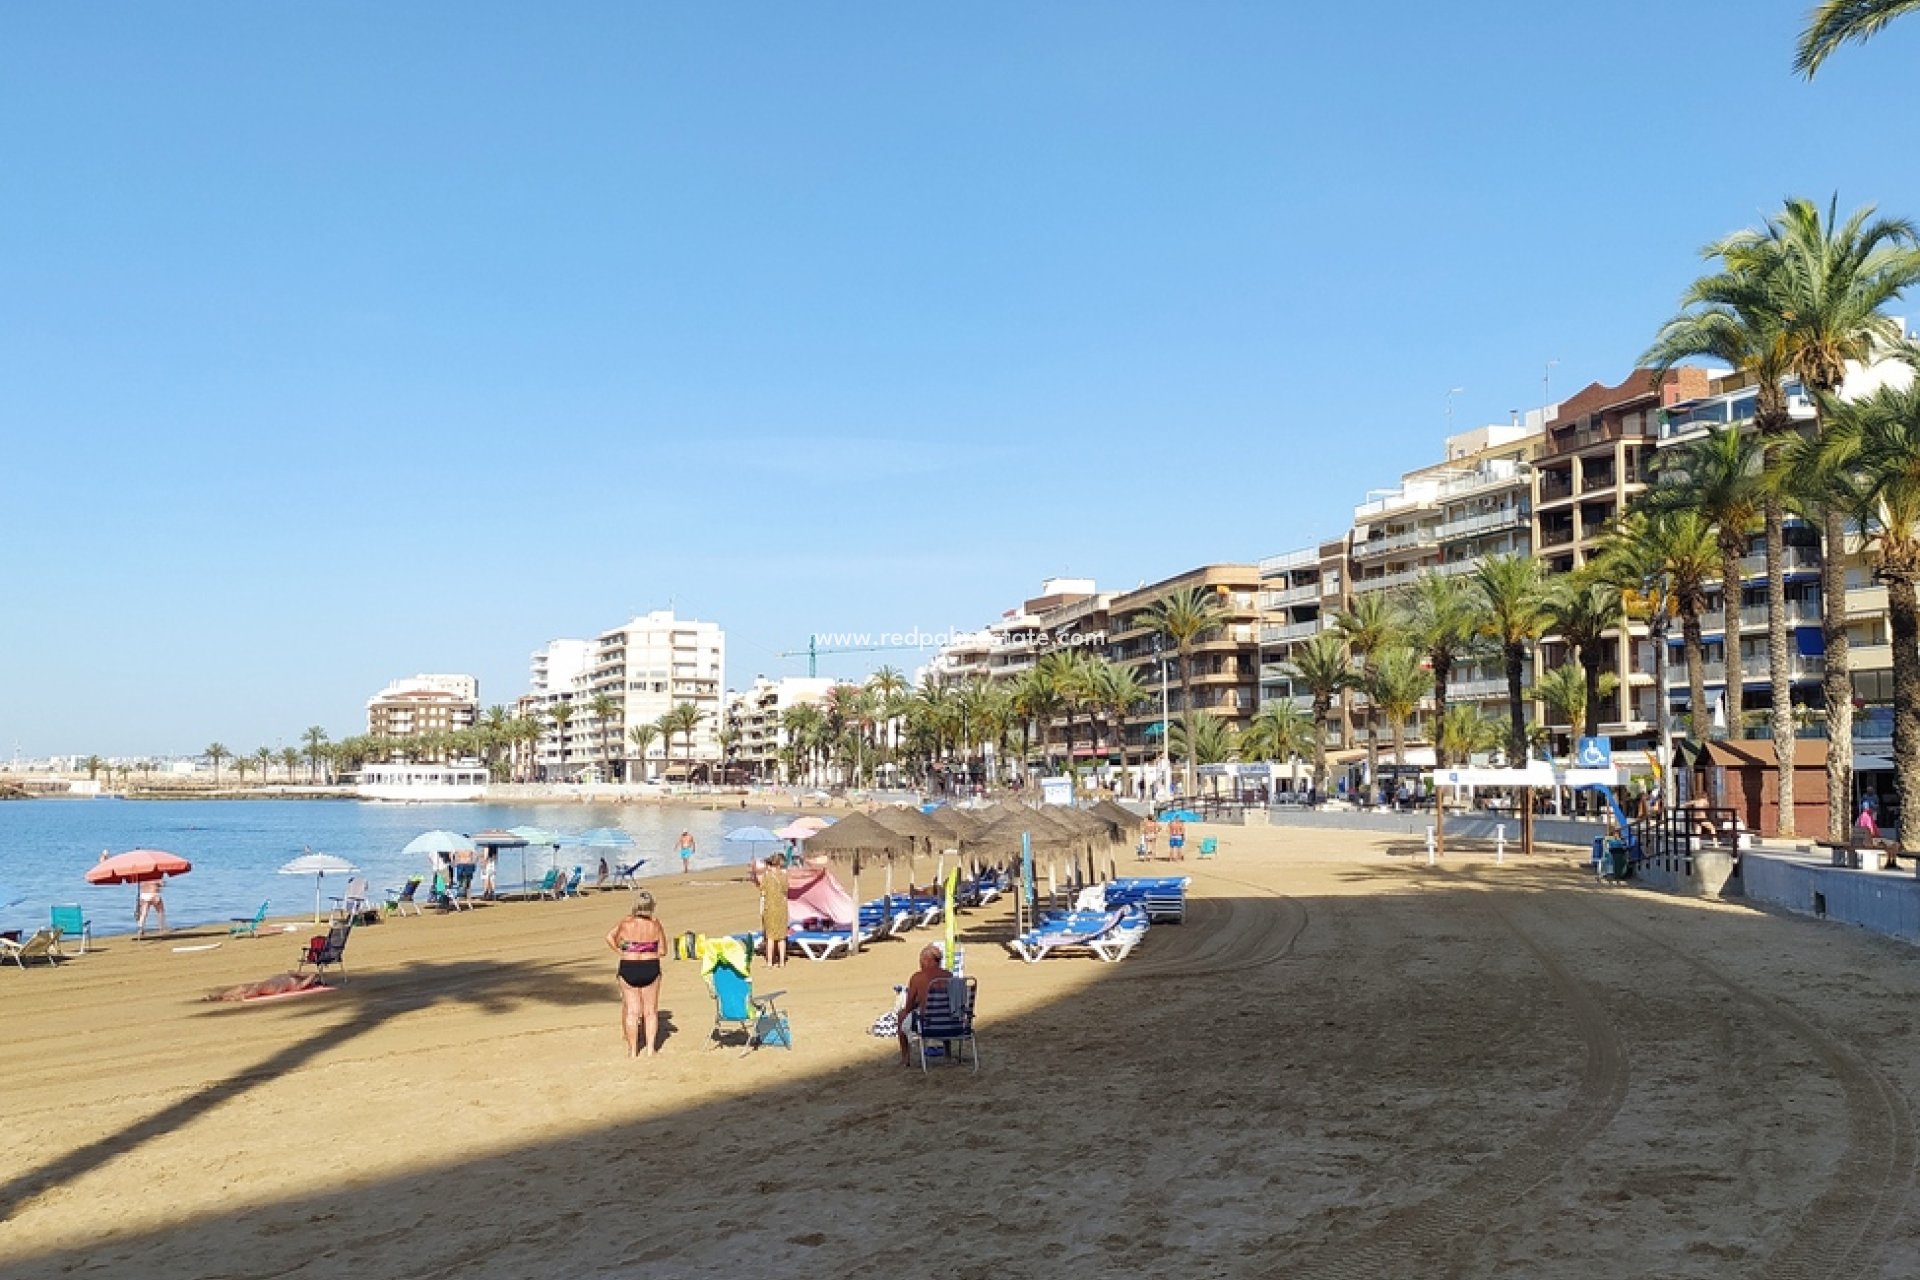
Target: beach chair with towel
(72, 922)
(946, 1019)
(726, 964)
(570, 887)
(401, 900)
(247, 926)
(328, 951)
(43, 945)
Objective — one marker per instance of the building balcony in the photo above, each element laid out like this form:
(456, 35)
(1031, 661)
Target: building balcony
(1755, 615)
(1282, 633)
(1305, 558)
(1555, 486)
(1793, 559)
(1388, 581)
(1866, 602)
(1479, 690)
(1282, 599)
(1752, 671)
(1870, 657)
(1516, 517)
(1423, 537)
(1557, 537)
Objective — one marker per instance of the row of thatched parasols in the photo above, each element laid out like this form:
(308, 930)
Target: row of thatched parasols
(992, 833)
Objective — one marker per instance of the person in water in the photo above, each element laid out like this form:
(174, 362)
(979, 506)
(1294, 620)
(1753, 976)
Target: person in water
(640, 941)
(686, 850)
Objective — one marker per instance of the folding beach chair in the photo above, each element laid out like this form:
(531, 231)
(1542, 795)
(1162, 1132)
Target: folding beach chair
(248, 926)
(946, 1018)
(352, 904)
(401, 900)
(72, 922)
(331, 950)
(1209, 846)
(725, 963)
(44, 945)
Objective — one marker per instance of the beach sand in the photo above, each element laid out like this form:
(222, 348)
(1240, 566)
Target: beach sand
(1344, 1064)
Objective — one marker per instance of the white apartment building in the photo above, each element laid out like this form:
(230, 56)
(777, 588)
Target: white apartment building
(556, 675)
(755, 717)
(647, 667)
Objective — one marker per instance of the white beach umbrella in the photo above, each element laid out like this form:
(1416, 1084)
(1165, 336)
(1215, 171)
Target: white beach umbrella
(319, 866)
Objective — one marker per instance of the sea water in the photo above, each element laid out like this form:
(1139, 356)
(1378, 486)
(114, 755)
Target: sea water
(237, 846)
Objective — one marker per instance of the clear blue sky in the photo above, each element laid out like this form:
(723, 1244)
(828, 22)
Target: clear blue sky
(339, 342)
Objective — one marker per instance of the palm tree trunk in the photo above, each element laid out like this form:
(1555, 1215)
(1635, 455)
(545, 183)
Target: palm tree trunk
(1442, 677)
(1663, 716)
(1730, 619)
(1837, 684)
(1590, 669)
(1400, 743)
(1701, 720)
(1186, 716)
(1779, 676)
(1515, 657)
(1322, 708)
(1903, 610)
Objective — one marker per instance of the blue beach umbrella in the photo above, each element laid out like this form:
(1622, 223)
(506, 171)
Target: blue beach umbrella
(751, 835)
(1181, 815)
(428, 843)
(605, 838)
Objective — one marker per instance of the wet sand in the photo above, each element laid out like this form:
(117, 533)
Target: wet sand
(1345, 1063)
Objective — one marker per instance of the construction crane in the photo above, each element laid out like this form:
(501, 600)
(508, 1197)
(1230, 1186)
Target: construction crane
(813, 651)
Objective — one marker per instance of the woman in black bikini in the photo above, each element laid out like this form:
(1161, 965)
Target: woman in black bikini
(639, 941)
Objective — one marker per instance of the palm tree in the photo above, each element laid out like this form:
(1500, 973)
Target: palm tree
(1036, 701)
(604, 708)
(263, 760)
(1513, 595)
(683, 719)
(1564, 690)
(1180, 619)
(1871, 454)
(1069, 673)
(1738, 315)
(1670, 559)
(1323, 666)
(1464, 732)
(889, 687)
(1396, 684)
(1825, 281)
(316, 739)
(1369, 627)
(1584, 610)
(1836, 22)
(1278, 731)
(1204, 738)
(1118, 690)
(642, 736)
(241, 764)
(92, 765)
(560, 713)
(216, 752)
(289, 760)
(1720, 476)
(1442, 621)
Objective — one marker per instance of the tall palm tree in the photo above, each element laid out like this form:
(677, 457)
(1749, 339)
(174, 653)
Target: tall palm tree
(1323, 665)
(1584, 610)
(605, 708)
(1871, 454)
(1204, 738)
(216, 752)
(1464, 732)
(1070, 673)
(642, 737)
(289, 760)
(803, 723)
(1442, 621)
(1836, 22)
(889, 687)
(1118, 691)
(1369, 626)
(1826, 281)
(1739, 315)
(263, 761)
(1564, 690)
(1181, 619)
(316, 739)
(683, 719)
(1396, 684)
(561, 713)
(1670, 558)
(1036, 701)
(1513, 599)
(1720, 476)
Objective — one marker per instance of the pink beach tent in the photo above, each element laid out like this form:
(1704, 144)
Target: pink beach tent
(813, 894)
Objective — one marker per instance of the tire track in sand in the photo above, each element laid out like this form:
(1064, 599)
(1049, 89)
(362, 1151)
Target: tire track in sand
(1222, 935)
(1846, 1225)
(1431, 1235)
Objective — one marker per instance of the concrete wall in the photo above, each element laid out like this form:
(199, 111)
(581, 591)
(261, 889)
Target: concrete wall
(1884, 901)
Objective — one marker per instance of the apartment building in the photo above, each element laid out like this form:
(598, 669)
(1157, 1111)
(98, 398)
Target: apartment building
(1224, 666)
(1290, 593)
(647, 667)
(556, 674)
(756, 722)
(422, 706)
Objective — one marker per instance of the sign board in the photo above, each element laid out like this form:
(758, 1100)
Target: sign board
(1538, 773)
(1056, 790)
(1593, 753)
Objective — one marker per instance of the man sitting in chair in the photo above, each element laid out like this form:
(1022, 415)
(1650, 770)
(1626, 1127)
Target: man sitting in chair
(916, 994)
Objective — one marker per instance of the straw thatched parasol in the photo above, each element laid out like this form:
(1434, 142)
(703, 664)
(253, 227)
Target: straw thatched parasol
(912, 822)
(1125, 818)
(853, 838)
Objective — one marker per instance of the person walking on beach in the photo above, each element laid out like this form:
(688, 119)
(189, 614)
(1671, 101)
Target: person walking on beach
(686, 851)
(773, 909)
(1149, 836)
(639, 940)
(1177, 839)
(151, 904)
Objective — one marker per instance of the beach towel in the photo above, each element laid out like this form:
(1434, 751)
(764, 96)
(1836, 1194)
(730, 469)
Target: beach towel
(725, 950)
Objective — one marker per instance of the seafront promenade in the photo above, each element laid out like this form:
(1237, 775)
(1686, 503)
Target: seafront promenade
(1344, 1063)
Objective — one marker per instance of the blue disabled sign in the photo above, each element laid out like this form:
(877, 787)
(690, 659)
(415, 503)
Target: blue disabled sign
(1593, 753)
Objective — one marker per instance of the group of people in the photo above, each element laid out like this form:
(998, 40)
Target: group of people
(1176, 839)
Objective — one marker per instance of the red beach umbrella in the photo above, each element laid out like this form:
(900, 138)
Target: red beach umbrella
(136, 866)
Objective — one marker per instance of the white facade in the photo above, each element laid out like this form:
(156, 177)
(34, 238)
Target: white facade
(649, 666)
(756, 717)
(558, 674)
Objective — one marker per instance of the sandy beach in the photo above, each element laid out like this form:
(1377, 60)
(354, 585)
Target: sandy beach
(1345, 1063)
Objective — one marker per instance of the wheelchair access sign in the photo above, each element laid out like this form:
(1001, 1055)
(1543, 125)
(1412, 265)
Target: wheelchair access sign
(1593, 753)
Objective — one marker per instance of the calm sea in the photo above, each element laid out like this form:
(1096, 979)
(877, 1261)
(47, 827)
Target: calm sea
(236, 846)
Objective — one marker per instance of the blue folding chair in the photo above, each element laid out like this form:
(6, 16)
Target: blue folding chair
(946, 1018)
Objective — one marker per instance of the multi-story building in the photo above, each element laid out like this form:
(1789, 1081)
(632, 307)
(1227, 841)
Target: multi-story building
(1224, 668)
(756, 722)
(644, 669)
(556, 674)
(1290, 593)
(423, 706)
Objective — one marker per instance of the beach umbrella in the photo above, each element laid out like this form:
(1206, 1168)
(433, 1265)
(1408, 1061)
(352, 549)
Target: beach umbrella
(604, 838)
(752, 835)
(428, 843)
(517, 838)
(1123, 817)
(795, 831)
(817, 823)
(1181, 815)
(319, 866)
(855, 837)
(136, 866)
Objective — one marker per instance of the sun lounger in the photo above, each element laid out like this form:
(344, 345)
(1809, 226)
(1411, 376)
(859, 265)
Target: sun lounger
(544, 889)
(248, 926)
(946, 1019)
(824, 944)
(623, 876)
(72, 922)
(1109, 937)
(43, 945)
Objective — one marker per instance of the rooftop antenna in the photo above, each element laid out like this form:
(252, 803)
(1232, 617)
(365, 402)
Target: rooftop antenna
(1546, 380)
